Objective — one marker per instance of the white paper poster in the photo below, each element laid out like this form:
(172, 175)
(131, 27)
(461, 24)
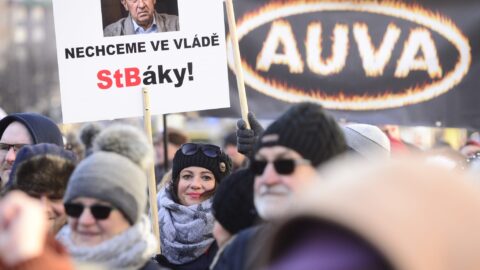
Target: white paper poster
(102, 77)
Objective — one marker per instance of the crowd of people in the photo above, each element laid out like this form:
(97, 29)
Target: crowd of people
(302, 193)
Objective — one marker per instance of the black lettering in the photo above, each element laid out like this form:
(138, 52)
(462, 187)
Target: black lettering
(69, 53)
(80, 52)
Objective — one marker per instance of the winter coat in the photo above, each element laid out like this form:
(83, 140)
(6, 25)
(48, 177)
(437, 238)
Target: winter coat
(152, 265)
(244, 250)
(201, 263)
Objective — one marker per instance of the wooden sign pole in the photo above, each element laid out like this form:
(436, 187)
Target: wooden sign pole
(165, 144)
(152, 187)
(238, 61)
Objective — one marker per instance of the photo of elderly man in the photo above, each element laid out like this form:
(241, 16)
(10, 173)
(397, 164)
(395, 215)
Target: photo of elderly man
(142, 19)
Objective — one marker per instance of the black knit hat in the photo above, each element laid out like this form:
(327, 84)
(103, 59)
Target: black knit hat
(307, 129)
(220, 166)
(233, 202)
(41, 128)
(230, 139)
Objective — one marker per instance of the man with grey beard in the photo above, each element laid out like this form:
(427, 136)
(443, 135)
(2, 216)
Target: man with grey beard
(284, 158)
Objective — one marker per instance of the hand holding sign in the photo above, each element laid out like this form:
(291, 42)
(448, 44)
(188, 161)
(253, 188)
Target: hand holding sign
(246, 138)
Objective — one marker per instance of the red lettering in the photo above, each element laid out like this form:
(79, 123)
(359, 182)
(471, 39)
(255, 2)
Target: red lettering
(118, 78)
(104, 77)
(131, 77)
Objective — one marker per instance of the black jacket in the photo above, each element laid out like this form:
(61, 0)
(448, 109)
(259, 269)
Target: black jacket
(242, 253)
(152, 265)
(201, 263)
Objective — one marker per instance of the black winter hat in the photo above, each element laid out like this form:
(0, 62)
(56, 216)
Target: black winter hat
(307, 129)
(220, 166)
(230, 139)
(42, 168)
(41, 128)
(233, 204)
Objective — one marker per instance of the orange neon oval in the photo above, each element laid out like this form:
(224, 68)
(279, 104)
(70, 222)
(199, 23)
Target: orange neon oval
(413, 13)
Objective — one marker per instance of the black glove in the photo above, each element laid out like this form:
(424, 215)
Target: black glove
(246, 138)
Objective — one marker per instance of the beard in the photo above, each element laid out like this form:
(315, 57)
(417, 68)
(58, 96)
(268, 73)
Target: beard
(273, 202)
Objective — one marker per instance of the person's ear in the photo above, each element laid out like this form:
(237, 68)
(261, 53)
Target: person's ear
(124, 3)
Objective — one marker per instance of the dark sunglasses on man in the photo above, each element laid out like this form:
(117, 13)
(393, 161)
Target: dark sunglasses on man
(98, 211)
(208, 150)
(282, 166)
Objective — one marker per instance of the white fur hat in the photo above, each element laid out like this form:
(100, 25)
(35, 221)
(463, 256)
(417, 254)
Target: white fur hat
(367, 140)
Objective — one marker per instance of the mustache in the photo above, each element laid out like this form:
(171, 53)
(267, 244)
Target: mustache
(274, 190)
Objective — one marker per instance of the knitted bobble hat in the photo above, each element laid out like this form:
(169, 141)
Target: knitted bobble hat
(111, 178)
(308, 130)
(128, 141)
(115, 171)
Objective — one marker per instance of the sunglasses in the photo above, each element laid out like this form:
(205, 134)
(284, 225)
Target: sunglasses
(98, 211)
(282, 166)
(208, 150)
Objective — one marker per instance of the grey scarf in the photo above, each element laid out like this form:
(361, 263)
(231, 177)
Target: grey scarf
(186, 231)
(128, 250)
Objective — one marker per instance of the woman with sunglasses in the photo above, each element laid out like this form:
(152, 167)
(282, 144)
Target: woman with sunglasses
(105, 203)
(185, 206)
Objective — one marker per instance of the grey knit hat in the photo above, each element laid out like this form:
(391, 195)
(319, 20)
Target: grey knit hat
(115, 171)
(113, 178)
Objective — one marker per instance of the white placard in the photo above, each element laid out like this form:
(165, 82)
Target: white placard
(98, 85)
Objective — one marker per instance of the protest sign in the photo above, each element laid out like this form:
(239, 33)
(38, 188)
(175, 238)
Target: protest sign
(380, 62)
(102, 76)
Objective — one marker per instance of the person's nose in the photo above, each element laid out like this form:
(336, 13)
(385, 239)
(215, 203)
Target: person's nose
(86, 218)
(141, 3)
(11, 155)
(270, 175)
(196, 183)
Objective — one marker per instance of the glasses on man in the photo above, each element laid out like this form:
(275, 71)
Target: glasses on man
(208, 150)
(5, 147)
(282, 166)
(98, 211)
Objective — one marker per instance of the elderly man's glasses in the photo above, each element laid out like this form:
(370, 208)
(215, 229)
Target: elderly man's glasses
(282, 166)
(98, 211)
(5, 147)
(208, 150)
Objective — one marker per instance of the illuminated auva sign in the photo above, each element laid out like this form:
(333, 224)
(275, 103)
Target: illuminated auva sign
(418, 52)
